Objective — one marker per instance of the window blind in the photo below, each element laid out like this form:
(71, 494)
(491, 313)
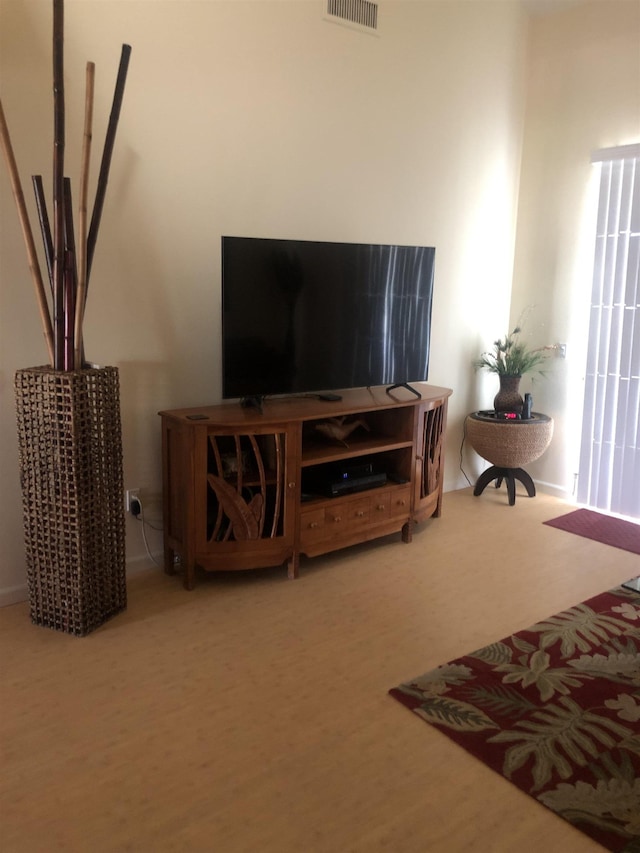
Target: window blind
(609, 473)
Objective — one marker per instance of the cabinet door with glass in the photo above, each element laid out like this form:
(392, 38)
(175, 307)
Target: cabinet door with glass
(431, 423)
(245, 516)
(229, 494)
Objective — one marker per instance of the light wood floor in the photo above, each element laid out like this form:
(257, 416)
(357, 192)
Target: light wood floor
(252, 714)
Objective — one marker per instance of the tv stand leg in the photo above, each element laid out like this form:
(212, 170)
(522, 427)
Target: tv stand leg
(404, 385)
(254, 402)
(293, 566)
(169, 561)
(407, 532)
(188, 569)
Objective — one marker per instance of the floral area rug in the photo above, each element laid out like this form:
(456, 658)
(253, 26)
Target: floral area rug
(556, 710)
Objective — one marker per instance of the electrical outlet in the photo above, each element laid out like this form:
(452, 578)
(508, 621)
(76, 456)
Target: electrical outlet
(129, 496)
(561, 350)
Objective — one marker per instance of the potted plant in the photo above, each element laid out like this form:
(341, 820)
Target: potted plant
(511, 358)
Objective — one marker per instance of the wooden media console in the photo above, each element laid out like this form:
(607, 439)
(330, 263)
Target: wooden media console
(246, 488)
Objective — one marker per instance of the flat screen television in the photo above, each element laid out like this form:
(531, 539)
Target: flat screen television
(304, 316)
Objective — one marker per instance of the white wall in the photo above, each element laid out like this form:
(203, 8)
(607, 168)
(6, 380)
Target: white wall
(583, 95)
(261, 118)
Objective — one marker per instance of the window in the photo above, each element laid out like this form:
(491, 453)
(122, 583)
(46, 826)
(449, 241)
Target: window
(609, 475)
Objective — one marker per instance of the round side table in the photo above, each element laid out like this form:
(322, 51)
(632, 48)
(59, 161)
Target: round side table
(508, 445)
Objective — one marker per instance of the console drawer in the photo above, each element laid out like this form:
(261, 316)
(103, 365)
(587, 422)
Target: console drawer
(342, 518)
(312, 525)
(348, 515)
(400, 502)
(395, 503)
(335, 520)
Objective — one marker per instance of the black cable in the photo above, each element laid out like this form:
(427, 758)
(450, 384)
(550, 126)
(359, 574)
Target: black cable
(464, 436)
(136, 504)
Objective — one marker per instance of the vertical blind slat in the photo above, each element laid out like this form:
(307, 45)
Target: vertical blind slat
(609, 476)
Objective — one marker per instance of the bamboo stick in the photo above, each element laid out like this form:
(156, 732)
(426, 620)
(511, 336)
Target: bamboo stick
(69, 309)
(82, 214)
(32, 256)
(70, 278)
(58, 183)
(103, 176)
(45, 228)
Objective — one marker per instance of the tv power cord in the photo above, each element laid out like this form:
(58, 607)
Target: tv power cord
(464, 436)
(137, 511)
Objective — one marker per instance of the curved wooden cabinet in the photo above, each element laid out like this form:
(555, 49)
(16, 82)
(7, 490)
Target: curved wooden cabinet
(246, 489)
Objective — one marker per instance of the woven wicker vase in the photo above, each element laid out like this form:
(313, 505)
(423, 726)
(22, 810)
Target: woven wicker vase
(508, 398)
(509, 444)
(70, 448)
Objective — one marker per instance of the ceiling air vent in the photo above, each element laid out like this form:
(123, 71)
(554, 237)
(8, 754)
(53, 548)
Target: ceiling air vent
(363, 13)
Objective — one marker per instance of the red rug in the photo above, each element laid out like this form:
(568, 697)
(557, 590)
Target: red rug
(603, 528)
(554, 709)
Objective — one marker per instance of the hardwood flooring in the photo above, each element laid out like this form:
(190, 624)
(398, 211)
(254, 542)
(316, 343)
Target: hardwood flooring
(251, 715)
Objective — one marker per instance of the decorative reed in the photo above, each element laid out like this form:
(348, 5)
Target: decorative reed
(23, 216)
(82, 219)
(68, 261)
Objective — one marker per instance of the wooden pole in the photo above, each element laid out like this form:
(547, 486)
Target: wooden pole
(103, 177)
(45, 228)
(70, 278)
(32, 256)
(58, 184)
(82, 214)
(69, 309)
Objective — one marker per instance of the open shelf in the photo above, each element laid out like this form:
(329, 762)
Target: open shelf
(315, 453)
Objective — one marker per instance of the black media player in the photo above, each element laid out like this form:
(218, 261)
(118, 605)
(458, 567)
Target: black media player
(336, 488)
(340, 479)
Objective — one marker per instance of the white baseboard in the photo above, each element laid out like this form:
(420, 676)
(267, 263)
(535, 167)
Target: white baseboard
(555, 490)
(13, 595)
(460, 482)
(16, 594)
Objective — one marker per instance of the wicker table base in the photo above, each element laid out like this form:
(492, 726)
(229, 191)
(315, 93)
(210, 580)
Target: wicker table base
(508, 445)
(509, 475)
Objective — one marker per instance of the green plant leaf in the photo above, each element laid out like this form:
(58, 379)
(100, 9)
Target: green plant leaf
(578, 628)
(512, 357)
(611, 804)
(554, 734)
(454, 714)
(501, 700)
(536, 671)
(437, 681)
(494, 654)
(618, 667)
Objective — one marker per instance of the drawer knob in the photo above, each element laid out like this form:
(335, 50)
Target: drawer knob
(360, 513)
(337, 519)
(313, 524)
(292, 485)
(380, 506)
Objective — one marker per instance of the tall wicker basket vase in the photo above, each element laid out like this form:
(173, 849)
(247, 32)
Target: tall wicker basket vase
(70, 450)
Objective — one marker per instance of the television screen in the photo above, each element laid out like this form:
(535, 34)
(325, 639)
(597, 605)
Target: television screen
(303, 316)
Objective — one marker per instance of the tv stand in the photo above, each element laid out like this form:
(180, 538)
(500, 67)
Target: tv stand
(233, 495)
(254, 402)
(404, 385)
